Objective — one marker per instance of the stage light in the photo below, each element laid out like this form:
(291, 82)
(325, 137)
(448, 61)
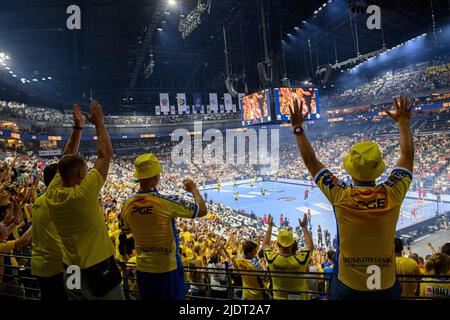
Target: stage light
(296, 28)
(43, 79)
(160, 29)
(316, 12)
(11, 72)
(14, 76)
(35, 80)
(172, 2)
(49, 78)
(7, 68)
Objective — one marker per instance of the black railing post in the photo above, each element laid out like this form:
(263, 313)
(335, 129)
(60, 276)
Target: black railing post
(229, 283)
(126, 289)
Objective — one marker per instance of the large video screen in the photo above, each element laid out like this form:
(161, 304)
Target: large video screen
(284, 98)
(256, 108)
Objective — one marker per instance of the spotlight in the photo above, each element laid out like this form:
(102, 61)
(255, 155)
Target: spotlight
(172, 2)
(160, 29)
(49, 78)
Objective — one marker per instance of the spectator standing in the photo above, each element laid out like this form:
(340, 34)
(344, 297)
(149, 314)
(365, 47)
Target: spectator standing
(150, 216)
(72, 200)
(366, 213)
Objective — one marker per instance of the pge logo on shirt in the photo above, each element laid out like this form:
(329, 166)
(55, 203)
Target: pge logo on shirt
(142, 210)
(373, 204)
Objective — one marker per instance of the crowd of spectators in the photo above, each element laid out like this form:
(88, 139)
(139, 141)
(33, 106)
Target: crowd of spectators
(22, 111)
(413, 79)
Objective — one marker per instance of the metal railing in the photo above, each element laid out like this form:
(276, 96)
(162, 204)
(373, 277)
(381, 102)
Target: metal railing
(18, 283)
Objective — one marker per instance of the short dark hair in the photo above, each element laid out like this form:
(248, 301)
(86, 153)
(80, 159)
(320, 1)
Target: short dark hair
(69, 166)
(49, 173)
(398, 245)
(330, 255)
(248, 247)
(445, 249)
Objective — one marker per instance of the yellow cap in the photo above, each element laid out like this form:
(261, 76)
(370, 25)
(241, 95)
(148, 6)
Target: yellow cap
(365, 161)
(146, 166)
(285, 238)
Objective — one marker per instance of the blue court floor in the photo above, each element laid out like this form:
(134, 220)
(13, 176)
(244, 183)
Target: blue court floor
(288, 199)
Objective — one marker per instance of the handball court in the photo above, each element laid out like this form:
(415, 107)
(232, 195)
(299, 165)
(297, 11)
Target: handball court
(288, 199)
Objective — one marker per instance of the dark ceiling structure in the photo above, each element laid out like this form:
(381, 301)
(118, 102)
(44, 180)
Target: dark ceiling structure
(109, 58)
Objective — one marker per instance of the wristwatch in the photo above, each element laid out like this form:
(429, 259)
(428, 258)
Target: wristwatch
(298, 130)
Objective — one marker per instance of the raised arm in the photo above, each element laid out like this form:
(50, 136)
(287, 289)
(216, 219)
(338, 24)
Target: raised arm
(306, 151)
(73, 144)
(306, 234)
(268, 236)
(402, 117)
(104, 145)
(190, 186)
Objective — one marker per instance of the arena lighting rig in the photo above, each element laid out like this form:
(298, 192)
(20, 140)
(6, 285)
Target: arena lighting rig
(193, 19)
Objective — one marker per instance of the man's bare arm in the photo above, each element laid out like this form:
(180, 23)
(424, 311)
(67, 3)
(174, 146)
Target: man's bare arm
(268, 236)
(73, 144)
(190, 186)
(306, 234)
(306, 151)
(402, 117)
(104, 145)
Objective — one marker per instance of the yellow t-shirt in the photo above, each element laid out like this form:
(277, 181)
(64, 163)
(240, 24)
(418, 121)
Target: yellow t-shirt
(151, 218)
(249, 281)
(288, 266)
(407, 266)
(435, 289)
(6, 247)
(47, 252)
(79, 220)
(366, 221)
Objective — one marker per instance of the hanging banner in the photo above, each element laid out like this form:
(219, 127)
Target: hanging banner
(158, 110)
(240, 96)
(208, 109)
(234, 108)
(228, 102)
(222, 108)
(181, 103)
(214, 102)
(197, 103)
(188, 109)
(173, 110)
(164, 102)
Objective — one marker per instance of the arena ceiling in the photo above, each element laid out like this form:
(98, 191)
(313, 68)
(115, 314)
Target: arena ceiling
(108, 55)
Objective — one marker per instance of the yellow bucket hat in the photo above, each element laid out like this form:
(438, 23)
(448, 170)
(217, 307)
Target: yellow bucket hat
(146, 166)
(285, 238)
(365, 161)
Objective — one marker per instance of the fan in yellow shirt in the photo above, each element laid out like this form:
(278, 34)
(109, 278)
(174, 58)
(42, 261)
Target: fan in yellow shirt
(437, 265)
(72, 200)
(366, 213)
(288, 262)
(150, 216)
(251, 283)
(405, 266)
(47, 248)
